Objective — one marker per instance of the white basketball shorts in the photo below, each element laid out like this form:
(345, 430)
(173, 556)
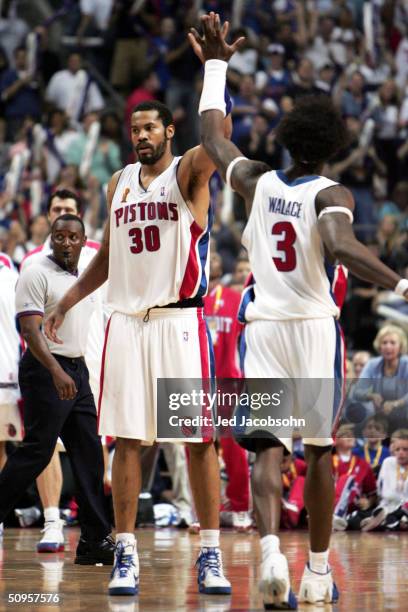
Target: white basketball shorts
(172, 343)
(299, 349)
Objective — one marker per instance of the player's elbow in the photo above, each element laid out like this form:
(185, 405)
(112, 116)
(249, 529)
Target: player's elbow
(342, 251)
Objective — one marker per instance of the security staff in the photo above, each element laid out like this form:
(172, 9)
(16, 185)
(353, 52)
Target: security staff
(58, 401)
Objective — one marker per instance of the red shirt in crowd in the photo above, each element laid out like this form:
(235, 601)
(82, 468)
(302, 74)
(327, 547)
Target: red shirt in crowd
(221, 309)
(359, 468)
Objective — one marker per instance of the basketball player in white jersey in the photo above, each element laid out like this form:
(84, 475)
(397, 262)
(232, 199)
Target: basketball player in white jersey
(296, 218)
(11, 426)
(49, 483)
(155, 255)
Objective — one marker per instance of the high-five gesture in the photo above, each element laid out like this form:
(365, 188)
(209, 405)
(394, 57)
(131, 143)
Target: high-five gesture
(212, 44)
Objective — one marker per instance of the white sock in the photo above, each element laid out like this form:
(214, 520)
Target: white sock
(270, 544)
(319, 562)
(210, 538)
(51, 514)
(127, 539)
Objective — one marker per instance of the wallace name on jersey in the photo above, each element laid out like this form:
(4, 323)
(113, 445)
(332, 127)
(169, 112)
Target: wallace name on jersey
(290, 209)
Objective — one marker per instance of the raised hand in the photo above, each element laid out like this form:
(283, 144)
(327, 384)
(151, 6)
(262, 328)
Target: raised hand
(212, 44)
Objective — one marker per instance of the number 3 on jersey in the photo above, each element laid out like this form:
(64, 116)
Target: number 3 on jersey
(148, 238)
(286, 261)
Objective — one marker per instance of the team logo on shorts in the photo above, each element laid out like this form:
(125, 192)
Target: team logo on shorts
(185, 336)
(12, 430)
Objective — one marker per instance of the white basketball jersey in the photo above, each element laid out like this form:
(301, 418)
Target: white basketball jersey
(286, 252)
(158, 254)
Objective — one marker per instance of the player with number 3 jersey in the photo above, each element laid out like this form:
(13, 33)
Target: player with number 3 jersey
(299, 226)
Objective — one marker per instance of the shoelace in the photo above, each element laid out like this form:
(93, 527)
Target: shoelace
(210, 560)
(124, 562)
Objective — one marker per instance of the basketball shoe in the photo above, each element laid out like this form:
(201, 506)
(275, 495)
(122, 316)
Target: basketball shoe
(339, 523)
(275, 584)
(125, 572)
(211, 579)
(316, 587)
(53, 538)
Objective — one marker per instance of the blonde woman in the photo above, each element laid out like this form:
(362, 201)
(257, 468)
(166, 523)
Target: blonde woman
(384, 379)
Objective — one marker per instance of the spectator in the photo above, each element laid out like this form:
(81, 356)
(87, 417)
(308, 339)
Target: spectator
(259, 143)
(326, 78)
(130, 21)
(181, 97)
(106, 156)
(274, 83)
(240, 274)
(354, 100)
(4, 66)
(244, 61)
(372, 449)
(19, 93)
(303, 80)
(392, 243)
(385, 110)
(159, 49)
(355, 412)
(355, 167)
(355, 487)
(246, 104)
(58, 139)
(13, 30)
(293, 484)
(392, 511)
(147, 90)
(384, 379)
(73, 90)
(38, 231)
(326, 45)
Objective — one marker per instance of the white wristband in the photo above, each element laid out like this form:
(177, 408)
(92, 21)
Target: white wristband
(230, 168)
(213, 94)
(401, 287)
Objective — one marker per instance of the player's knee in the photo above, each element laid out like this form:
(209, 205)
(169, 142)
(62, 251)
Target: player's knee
(320, 454)
(127, 445)
(200, 448)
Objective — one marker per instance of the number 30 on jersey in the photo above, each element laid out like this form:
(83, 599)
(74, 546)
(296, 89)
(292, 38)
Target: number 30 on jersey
(147, 239)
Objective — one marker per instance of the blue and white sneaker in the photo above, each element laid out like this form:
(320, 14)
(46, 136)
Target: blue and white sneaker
(211, 579)
(275, 584)
(316, 587)
(125, 573)
(53, 538)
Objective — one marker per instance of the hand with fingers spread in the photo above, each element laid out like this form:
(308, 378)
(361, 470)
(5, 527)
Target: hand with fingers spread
(54, 320)
(212, 45)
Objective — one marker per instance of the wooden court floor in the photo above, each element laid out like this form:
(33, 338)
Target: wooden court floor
(371, 571)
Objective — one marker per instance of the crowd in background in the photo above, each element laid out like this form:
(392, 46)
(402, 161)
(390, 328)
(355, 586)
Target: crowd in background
(71, 74)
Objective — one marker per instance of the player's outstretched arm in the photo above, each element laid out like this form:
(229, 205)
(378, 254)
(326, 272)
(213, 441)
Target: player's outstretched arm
(215, 52)
(95, 274)
(338, 236)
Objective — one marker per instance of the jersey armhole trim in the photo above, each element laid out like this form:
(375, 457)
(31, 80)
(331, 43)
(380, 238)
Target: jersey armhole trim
(336, 209)
(117, 183)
